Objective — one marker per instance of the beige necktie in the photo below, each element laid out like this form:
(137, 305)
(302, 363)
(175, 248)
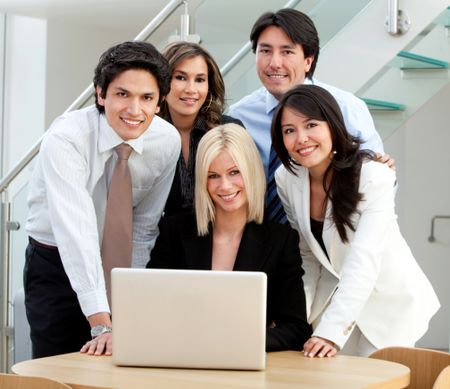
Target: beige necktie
(118, 230)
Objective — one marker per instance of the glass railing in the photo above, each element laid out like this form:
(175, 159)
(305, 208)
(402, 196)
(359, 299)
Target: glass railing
(412, 78)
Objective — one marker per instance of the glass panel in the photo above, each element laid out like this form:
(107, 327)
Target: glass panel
(381, 105)
(413, 77)
(223, 36)
(18, 243)
(406, 60)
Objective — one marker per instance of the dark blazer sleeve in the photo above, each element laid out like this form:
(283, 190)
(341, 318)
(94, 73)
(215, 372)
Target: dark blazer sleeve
(229, 119)
(286, 304)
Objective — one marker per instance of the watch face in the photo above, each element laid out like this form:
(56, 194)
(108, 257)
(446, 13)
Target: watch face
(100, 329)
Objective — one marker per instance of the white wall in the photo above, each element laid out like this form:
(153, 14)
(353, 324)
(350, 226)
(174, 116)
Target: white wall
(24, 95)
(421, 148)
(73, 52)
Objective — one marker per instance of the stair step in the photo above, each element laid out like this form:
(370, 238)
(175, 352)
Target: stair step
(382, 105)
(406, 60)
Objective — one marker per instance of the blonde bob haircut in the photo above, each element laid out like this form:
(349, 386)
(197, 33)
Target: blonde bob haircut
(239, 144)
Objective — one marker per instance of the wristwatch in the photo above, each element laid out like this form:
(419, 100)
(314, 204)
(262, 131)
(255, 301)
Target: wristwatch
(100, 329)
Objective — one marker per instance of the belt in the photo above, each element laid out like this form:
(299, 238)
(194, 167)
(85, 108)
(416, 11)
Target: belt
(35, 243)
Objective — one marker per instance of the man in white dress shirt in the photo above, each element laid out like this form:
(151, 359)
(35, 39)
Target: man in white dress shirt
(65, 295)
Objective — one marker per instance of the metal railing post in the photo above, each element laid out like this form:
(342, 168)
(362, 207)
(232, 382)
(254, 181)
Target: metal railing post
(397, 21)
(4, 282)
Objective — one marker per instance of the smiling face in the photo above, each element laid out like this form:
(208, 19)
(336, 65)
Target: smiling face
(226, 185)
(280, 63)
(188, 88)
(131, 102)
(308, 141)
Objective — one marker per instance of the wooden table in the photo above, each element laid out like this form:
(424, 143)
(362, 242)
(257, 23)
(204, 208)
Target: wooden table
(285, 370)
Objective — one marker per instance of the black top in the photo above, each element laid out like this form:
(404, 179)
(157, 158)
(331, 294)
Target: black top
(316, 229)
(181, 196)
(269, 247)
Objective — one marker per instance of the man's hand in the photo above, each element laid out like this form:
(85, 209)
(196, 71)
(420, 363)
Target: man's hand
(387, 159)
(100, 345)
(319, 347)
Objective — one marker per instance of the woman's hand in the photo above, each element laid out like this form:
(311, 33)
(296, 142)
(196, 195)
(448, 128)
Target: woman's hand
(319, 347)
(100, 345)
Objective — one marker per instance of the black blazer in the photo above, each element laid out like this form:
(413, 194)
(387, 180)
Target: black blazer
(269, 247)
(174, 203)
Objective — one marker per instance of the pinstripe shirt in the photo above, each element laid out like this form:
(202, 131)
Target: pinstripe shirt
(68, 191)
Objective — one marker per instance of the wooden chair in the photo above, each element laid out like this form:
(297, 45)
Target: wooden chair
(425, 365)
(12, 381)
(443, 380)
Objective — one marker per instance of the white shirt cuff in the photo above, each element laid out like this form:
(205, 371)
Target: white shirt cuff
(94, 302)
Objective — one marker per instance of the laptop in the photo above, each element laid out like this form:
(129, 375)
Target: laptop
(189, 318)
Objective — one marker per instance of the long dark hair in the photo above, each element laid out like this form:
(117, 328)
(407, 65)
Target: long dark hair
(341, 179)
(214, 104)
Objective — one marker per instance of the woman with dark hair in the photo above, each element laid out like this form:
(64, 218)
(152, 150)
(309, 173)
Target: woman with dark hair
(364, 289)
(194, 105)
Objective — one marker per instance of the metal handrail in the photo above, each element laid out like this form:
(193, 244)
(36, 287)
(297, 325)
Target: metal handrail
(88, 93)
(431, 238)
(4, 274)
(225, 69)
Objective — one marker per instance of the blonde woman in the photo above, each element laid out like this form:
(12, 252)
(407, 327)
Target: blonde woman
(228, 232)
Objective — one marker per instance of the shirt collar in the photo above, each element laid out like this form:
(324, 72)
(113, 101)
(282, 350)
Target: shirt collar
(272, 102)
(108, 138)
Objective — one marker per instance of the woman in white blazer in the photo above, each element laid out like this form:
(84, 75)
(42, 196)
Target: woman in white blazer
(364, 289)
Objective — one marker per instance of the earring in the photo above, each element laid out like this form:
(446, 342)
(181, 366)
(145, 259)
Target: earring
(334, 152)
(292, 160)
(205, 108)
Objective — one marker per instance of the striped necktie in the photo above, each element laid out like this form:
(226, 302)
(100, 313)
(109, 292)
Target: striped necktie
(274, 209)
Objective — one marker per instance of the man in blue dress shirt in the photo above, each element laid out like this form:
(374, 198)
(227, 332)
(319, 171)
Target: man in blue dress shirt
(286, 45)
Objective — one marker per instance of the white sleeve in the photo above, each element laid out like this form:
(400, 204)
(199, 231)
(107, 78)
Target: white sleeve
(361, 266)
(73, 220)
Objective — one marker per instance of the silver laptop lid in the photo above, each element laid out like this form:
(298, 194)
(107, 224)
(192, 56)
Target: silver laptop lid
(189, 318)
